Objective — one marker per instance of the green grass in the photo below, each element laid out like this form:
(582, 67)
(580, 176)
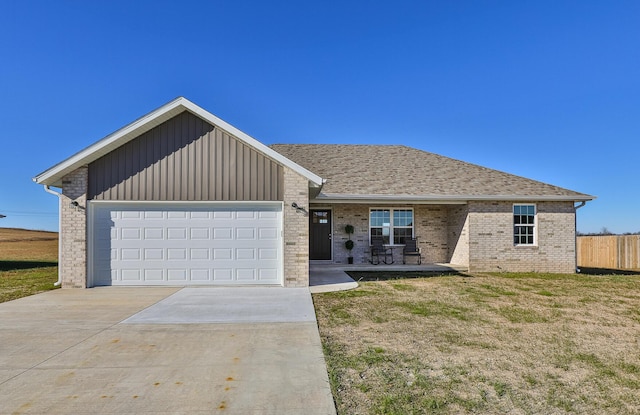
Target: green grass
(22, 282)
(28, 262)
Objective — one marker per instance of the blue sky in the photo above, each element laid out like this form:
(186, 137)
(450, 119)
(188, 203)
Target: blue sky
(548, 90)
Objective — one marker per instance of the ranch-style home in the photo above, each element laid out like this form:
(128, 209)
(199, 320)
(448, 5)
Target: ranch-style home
(180, 197)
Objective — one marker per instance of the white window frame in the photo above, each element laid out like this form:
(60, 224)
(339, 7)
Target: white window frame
(391, 224)
(534, 225)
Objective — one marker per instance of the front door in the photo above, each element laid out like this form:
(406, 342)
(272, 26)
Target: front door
(320, 234)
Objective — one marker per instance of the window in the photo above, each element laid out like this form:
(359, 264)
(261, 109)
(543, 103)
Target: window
(524, 224)
(394, 225)
(320, 216)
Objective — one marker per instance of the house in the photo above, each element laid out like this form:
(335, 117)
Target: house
(180, 197)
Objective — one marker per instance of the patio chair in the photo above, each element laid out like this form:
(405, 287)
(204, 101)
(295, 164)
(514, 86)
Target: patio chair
(378, 250)
(411, 249)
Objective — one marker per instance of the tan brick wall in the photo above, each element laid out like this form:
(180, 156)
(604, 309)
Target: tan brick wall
(431, 229)
(73, 232)
(458, 235)
(358, 217)
(491, 245)
(296, 230)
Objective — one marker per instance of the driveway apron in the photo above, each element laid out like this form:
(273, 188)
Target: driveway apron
(163, 351)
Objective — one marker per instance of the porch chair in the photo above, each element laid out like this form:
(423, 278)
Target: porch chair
(411, 249)
(379, 250)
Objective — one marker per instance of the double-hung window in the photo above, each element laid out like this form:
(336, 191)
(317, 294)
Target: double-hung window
(393, 225)
(524, 224)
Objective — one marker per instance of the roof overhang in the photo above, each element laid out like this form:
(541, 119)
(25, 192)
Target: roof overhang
(53, 176)
(443, 199)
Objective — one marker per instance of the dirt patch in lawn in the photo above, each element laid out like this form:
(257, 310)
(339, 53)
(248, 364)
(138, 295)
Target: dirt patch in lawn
(534, 343)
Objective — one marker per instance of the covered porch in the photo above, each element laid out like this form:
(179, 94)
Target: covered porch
(441, 231)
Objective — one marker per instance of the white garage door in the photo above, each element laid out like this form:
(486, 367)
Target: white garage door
(196, 244)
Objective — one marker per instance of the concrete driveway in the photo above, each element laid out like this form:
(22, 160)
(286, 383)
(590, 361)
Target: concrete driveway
(162, 351)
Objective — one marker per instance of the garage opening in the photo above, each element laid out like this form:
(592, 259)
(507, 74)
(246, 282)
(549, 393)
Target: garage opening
(180, 244)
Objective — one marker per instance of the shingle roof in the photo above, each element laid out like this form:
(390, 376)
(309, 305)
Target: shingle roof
(394, 170)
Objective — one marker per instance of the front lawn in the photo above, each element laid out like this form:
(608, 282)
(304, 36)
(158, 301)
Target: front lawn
(28, 262)
(495, 344)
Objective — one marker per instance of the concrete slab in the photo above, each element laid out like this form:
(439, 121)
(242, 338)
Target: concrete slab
(196, 305)
(110, 367)
(329, 280)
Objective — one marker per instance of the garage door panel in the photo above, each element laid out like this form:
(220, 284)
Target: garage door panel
(130, 274)
(176, 254)
(200, 233)
(268, 234)
(130, 254)
(267, 253)
(131, 233)
(153, 254)
(154, 245)
(245, 274)
(128, 215)
(153, 275)
(222, 253)
(245, 254)
(154, 215)
(179, 274)
(223, 234)
(223, 274)
(176, 214)
(154, 233)
(199, 254)
(268, 274)
(199, 275)
(177, 233)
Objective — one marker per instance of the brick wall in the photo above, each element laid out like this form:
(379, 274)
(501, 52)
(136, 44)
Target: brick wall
(431, 227)
(491, 245)
(358, 217)
(73, 232)
(296, 230)
(458, 235)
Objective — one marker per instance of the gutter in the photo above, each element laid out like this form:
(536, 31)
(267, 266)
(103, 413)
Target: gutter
(53, 192)
(460, 199)
(575, 227)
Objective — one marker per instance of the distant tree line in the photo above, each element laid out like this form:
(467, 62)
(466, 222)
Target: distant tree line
(605, 231)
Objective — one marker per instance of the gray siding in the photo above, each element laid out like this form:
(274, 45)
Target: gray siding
(185, 159)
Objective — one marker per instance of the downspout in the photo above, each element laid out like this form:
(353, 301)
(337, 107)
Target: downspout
(575, 227)
(53, 192)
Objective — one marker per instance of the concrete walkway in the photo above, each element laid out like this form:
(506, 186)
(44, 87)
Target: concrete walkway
(160, 351)
(324, 280)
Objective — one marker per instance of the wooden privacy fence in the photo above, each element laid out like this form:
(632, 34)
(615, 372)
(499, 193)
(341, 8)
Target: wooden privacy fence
(610, 251)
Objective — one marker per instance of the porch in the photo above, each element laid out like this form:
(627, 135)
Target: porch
(328, 276)
(441, 231)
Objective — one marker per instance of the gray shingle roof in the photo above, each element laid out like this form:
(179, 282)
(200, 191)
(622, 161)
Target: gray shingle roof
(394, 170)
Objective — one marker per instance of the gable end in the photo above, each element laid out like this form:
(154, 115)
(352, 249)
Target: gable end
(185, 159)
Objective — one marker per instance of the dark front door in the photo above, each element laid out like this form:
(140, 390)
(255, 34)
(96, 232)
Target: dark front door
(320, 234)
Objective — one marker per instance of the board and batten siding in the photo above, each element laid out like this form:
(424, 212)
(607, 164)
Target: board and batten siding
(185, 159)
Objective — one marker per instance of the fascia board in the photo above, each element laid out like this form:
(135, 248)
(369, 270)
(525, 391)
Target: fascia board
(53, 175)
(453, 199)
